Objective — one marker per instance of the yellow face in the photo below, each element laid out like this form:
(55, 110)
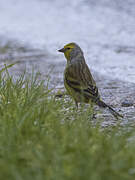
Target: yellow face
(67, 50)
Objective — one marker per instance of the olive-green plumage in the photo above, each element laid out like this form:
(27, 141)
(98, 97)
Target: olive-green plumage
(78, 80)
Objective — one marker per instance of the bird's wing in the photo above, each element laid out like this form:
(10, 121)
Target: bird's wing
(78, 77)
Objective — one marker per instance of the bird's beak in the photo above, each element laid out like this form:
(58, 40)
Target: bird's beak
(62, 50)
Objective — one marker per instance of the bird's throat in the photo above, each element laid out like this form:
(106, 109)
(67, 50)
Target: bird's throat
(67, 56)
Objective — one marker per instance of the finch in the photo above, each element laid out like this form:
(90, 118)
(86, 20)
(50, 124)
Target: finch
(78, 79)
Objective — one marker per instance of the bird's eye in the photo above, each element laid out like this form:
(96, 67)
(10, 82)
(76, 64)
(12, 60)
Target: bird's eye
(68, 48)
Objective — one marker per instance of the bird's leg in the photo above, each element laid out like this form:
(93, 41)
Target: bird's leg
(92, 111)
(76, 103)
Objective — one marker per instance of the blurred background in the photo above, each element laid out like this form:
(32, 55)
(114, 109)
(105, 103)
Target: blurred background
(32, 31)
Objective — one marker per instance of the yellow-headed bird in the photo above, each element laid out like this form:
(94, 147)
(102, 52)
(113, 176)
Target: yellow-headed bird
(78, 79)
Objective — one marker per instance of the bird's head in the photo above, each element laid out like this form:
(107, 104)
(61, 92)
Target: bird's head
(71, 50)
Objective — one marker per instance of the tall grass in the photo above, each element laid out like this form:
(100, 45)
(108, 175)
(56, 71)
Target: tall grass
(44, 138)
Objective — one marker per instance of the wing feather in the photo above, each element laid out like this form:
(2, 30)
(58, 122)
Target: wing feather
(79, 78)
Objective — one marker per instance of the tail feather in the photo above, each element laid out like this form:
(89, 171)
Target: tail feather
(113, 112)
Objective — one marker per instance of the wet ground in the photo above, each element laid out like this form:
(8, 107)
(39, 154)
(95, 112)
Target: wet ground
(105, 30)
(118, 94)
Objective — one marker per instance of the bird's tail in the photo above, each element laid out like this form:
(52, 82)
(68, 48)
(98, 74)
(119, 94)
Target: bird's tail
(113, 112)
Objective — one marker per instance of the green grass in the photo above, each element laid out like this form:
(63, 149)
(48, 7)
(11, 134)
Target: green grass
(46, 139)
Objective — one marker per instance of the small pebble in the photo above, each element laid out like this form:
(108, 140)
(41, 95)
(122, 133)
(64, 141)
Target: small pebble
(127, 103)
